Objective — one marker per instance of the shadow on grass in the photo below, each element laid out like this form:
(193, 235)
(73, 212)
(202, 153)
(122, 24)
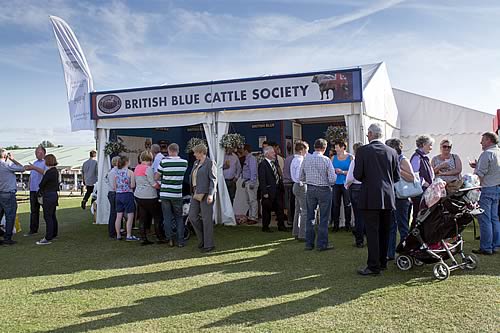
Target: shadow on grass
(283, 273)
(274, 276)
(84, 246)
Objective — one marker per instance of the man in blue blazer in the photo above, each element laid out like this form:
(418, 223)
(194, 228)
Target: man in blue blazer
(377, 168)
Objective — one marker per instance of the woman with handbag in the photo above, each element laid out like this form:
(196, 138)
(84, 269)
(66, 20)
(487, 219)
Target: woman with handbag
(203, 183)
(400, 215)
(446, 165)
(47, 194)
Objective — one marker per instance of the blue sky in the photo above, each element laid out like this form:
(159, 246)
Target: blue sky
(443, 49)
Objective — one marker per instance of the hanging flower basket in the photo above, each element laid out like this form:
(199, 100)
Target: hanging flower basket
(114, 148)
(336, 133)
(193, 142)
(232, 141)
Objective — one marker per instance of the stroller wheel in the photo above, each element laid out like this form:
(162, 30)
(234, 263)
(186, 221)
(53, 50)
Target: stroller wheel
(441, 271)
(187, 233)
(471, 261)
(417, 262)
(404, 263)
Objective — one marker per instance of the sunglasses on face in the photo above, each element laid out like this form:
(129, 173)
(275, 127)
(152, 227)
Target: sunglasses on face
(446, 147)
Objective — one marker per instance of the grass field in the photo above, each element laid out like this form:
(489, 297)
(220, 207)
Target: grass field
(254, 281)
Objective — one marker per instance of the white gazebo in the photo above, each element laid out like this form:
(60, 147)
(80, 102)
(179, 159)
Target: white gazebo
(358, 95)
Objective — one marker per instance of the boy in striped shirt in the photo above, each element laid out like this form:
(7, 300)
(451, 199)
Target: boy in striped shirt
(171, 173)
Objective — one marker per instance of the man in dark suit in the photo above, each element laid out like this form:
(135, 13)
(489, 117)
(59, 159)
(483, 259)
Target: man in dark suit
(377, 168)
(271, 187)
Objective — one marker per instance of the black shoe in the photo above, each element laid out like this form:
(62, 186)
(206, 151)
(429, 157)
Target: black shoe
(308, 248)
(479, 251)
(9, 242)
(326, 248)
(200, 246)
(335, 228)
(180, 245)
(366, 271)
(207, 249)
(146, 242)
(30, 234)
(83, 204)
(283, 229)
(266, 230)
(390, 259)
(383, 268)
(360, 245)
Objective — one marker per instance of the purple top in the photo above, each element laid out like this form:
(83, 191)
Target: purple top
(250, 169)
(424, 170)
(287, 177)
(234, 169)
(35, 176)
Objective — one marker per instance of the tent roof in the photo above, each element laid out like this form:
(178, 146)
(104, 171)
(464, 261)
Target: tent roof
(425, 115)
(368, 71)
(67, 157)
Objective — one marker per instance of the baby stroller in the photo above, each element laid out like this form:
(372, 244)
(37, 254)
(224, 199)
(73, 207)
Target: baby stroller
(436, 235)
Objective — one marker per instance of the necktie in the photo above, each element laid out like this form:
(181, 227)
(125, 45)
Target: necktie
(275, 172)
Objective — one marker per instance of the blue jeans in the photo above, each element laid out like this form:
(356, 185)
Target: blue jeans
(489, 226)
(9, 204)
(400, 222)
(172, 212)
(322, 196)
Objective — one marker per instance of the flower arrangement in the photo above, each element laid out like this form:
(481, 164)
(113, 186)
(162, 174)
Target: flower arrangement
(114, 148)
(232, 141)
(336, 133)
(193, 142)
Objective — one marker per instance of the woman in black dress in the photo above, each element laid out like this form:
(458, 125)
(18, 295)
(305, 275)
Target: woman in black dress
(49, 185)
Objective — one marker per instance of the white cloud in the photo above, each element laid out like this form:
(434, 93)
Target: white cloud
(33, 14)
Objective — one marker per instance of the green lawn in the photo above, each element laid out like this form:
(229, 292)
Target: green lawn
(254, 281)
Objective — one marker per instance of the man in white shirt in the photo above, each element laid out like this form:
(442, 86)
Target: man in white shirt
(299, 190)
(354, 187)
(157, 155)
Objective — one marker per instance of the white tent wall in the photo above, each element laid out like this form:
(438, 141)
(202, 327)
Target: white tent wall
(103, 165)
(285, 113)
(424, 115)
(172, 120)
(354, 127)
(379, 104)
(223, 212)
(226, 208)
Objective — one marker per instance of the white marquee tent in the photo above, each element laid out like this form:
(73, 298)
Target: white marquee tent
(377, 105)
(424, 115)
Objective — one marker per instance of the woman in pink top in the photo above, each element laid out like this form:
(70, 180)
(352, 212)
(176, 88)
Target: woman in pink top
(146, 195)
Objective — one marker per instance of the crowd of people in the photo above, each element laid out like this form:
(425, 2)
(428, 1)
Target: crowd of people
(307, 190)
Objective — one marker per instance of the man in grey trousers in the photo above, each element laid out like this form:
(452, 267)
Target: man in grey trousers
(299, 191)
